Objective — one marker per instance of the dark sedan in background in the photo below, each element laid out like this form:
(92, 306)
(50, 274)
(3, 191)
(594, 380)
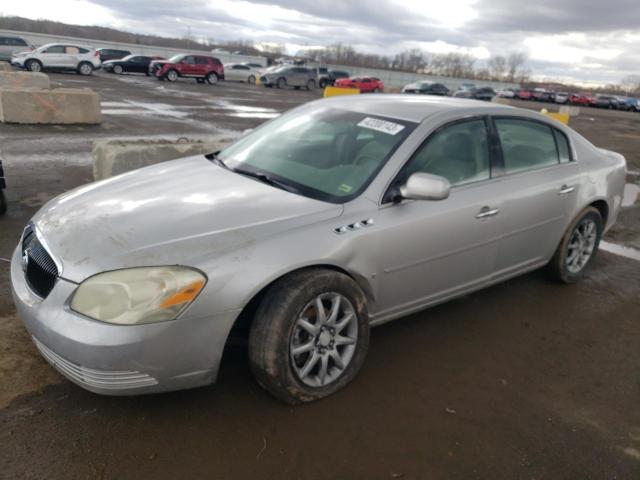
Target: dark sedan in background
(129, 64)
(426, 88)
(111, 54)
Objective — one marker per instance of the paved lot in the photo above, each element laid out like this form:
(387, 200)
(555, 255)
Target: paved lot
(526, 380)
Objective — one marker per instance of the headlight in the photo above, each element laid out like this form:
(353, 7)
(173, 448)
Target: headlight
(138, 295)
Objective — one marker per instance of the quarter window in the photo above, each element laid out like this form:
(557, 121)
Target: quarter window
(458, 152)
(526, 145)
(563, 147)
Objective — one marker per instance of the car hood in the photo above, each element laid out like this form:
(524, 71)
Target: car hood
(180, 212)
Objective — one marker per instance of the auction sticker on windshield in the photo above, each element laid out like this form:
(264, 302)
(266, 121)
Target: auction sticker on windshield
(383, 126)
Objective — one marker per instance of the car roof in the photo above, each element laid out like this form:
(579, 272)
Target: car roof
(411, 108)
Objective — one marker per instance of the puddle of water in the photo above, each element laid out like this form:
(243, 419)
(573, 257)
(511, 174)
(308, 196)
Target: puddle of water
(114, 104)
(631, 192)
(621, 250)
(254, 115)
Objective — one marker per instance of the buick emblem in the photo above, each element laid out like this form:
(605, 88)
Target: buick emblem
(25, 260)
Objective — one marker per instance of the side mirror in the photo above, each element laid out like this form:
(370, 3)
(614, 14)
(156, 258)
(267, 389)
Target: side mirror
(424, 186)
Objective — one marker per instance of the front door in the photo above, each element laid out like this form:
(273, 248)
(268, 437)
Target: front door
(431, 250)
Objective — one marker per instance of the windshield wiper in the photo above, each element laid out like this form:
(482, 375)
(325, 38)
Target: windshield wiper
(217, 160)
(264, 178)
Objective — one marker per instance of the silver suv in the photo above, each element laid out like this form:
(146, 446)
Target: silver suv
(290, 76)
(10, 45)
(59, 56)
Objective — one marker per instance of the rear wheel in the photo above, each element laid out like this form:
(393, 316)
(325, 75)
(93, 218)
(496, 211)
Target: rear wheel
(117, 69)
(578, 247)
(251, 79)
(212, 78)
(33, 65)
(310, 335)
(171, 75)
(85, 68)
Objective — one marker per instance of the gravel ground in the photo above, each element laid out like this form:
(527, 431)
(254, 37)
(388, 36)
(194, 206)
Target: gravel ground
(525, 380)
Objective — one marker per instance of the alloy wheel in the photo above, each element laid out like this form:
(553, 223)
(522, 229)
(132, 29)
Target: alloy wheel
(581, 245)
(323, 340)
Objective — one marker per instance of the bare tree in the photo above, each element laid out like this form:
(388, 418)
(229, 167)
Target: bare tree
(515, 63)
(631, 84)
(497, 67)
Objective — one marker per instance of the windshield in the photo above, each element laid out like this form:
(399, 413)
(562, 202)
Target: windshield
(176, 58)
(324, 153)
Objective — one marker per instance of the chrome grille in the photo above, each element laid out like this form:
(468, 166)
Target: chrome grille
(41, 271)
(89, 377)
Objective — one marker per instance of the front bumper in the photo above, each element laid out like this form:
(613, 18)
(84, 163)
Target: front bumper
(120, 360)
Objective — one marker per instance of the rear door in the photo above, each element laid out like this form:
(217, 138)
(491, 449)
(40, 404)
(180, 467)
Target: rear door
(538, 191)
(72, 56)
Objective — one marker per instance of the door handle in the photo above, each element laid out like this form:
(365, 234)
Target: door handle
(487, 212)
(565, 190)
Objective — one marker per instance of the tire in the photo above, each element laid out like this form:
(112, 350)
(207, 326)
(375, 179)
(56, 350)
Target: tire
(171, 76)
(33, 65)
(85, 68)
(311, 85)
(276, 331)
(281, 83)
(3, 203)
(561, 266)
(323, 84)
(251, 80)
(212, 78)
(117, 69)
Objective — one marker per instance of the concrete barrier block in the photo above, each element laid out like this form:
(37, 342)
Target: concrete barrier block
(5, 67)
(24, 80)
(116, 156)
(59, 106)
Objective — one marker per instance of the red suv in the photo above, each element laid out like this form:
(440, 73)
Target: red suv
(201, 67)
(364, 84)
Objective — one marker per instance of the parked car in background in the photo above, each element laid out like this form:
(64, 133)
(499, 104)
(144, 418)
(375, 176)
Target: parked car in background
(506, 93)
(241, 72)
(561, 97)
(204, 68)
(628, 103)
(10, 45)
(255, 66)
(581, 99)
(364, 84)
(605, 101)
(59, 56)
(329, 79)
(129, 64)
(523, 94)
(540, 95)
(112, 54)
(290, 76)
(339, 215)
(476, 93)
(426, 88)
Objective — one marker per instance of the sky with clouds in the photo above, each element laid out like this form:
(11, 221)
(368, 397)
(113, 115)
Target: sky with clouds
(588, 41)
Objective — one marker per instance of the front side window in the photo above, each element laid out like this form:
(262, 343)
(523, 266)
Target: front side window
(526, 145)
(325, 153)
(55, 49)
(202, 60)
(458, 152)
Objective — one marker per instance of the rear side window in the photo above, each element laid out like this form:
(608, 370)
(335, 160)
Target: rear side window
(458, 152)
(72, 50)
(526, 145)
(564, 152)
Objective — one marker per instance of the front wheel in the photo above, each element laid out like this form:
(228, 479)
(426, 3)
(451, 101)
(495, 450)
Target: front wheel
(212, 78)
(171, 75)
(311, 84)
(251, 80)
(34, 66)
(310, 335)
(578, 247)
(281, 83)
(117, 69)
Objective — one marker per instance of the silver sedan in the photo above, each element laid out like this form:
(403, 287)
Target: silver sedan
(340, 215)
